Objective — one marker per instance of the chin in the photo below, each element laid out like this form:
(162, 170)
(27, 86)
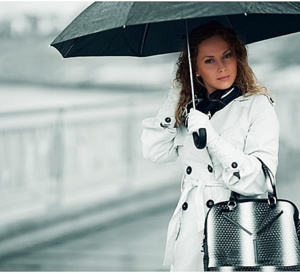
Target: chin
(225, 86)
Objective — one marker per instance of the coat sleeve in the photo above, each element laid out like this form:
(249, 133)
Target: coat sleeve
(158, 142)
(159, 133)
(262, 141)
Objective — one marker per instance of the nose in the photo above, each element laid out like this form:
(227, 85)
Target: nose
(221, 66)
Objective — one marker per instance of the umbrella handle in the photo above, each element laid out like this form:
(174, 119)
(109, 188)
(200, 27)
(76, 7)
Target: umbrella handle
(200, 138)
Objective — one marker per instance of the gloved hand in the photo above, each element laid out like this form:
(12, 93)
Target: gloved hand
(197, 120)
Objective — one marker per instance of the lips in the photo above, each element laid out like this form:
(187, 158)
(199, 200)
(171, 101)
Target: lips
(223, 78)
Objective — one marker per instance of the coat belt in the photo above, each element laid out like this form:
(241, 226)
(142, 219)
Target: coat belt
(188, 184)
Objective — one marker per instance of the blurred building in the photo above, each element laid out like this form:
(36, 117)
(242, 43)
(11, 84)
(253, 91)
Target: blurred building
(70, 130)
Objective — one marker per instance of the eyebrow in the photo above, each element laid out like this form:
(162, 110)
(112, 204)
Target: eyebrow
(213, 56)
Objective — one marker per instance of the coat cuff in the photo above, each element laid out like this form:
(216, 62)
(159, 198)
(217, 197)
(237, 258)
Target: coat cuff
(166, 121)
(230, 158)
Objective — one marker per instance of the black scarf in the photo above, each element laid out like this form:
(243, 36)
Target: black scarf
(214, 102)
(218, 100)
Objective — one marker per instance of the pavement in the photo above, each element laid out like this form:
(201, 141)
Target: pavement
(125, 235)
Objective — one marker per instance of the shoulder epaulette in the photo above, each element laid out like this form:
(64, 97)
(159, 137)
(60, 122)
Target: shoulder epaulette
(271, 100)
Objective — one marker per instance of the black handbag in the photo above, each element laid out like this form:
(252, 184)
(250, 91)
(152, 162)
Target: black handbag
(252, 234)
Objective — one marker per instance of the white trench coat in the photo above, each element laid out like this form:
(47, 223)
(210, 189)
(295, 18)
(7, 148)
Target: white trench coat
(249, 124)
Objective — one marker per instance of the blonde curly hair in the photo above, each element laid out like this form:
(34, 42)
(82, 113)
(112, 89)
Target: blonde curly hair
(245, 78)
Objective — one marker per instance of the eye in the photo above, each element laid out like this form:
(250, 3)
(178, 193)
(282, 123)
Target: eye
(228, 55)
(209, 61)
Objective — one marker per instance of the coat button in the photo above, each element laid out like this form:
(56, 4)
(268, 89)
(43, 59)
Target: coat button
(210, 168)
(234, 165)
(210, 203)
(185, 206)
(167, 120)
(189, 170)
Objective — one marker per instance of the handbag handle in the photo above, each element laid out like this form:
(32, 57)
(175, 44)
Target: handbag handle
(272, 193)
(268, 175)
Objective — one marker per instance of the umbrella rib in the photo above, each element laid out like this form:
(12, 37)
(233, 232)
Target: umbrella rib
(128, 18)
(134, 50)
(70, 48)
(144, 38)
(229, 22)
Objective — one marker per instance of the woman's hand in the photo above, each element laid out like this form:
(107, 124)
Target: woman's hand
(197, 120)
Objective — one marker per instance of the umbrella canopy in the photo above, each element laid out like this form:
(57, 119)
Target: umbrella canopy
(151, 28)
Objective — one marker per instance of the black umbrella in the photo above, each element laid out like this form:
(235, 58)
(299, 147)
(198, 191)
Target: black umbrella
(151, 28)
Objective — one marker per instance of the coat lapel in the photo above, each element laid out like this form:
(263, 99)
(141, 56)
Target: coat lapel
(229, 117)
(226, 119)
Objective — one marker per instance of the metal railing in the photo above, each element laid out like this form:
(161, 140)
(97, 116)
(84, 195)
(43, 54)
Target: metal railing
(58, 158)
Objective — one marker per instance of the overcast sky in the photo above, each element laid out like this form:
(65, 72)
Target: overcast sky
(68, 9)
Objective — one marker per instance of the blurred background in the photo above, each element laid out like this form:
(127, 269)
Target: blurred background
(76, 193)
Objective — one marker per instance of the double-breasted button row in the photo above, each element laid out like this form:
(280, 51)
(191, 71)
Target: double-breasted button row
(210, 168)
(189, 170)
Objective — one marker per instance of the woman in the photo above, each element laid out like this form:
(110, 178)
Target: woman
(241, 127)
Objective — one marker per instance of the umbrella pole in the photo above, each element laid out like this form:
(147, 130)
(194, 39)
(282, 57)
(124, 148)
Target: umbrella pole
(200, 137)
(190, 63)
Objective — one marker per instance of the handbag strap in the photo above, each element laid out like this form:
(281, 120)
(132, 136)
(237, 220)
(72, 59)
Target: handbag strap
(272, 193)
(269, 177)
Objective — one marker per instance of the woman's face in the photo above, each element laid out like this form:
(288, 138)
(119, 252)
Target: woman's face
(215, 64)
